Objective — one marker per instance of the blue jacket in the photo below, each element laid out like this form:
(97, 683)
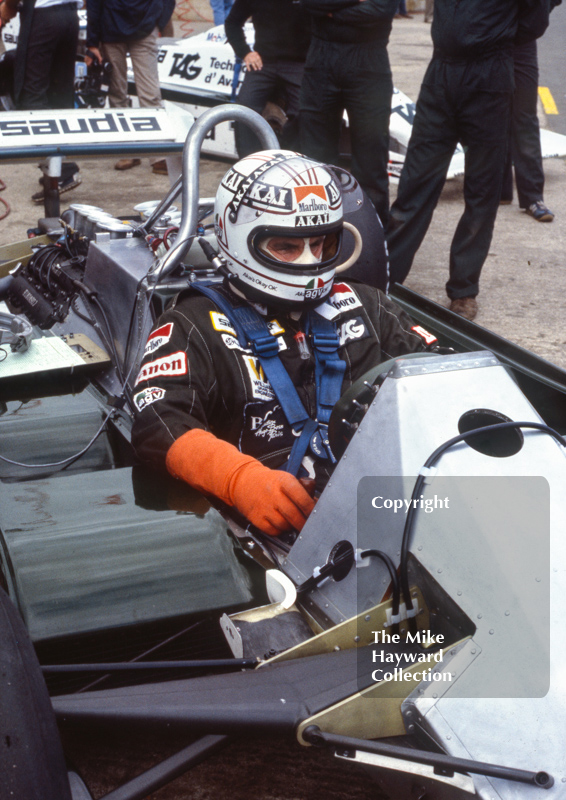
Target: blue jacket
(111, 21)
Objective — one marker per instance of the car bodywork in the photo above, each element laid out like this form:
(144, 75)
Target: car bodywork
(104, 557)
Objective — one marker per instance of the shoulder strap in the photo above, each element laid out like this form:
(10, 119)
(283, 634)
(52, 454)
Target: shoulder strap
(251, 329)
(330, 367)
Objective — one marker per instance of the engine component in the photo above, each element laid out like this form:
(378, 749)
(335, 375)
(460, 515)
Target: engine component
(44, 288)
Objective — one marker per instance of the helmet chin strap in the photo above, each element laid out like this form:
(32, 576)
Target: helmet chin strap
(358, 244)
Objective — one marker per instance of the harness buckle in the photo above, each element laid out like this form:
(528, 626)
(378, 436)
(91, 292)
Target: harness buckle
(266, 346)
(327, 342)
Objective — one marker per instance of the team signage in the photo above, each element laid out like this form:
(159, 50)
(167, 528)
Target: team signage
(68, 127)
(202, 62)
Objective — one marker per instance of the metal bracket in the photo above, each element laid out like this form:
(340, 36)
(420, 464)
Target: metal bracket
(15, 331)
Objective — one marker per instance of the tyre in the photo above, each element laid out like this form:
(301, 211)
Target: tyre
(32, 764)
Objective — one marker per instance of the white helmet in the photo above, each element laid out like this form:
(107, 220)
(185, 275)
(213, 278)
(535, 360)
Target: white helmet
(270, 195)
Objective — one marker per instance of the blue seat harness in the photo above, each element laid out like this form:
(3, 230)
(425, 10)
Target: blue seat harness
(252, 332)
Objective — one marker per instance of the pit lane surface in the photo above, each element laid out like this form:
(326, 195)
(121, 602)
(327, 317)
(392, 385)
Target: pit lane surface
(551, 67)
(522, 297)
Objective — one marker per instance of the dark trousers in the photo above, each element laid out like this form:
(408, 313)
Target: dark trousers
(525, 151)
(354, 78)
(259, 86)
(449, 111)
(48, 60)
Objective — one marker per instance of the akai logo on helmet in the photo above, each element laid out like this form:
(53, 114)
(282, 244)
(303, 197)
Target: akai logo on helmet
(158, 338)
(264, 195)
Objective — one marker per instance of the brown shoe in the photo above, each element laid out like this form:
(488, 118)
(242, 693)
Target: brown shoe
(160, 167)
(466, 307)
(127, 163)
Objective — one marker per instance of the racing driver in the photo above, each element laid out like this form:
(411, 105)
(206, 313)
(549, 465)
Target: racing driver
(239, 378)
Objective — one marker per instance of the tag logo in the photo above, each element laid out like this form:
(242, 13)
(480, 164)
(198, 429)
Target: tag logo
(352, 329)
(148, 396)
(261, 388)
(424, 334)
(175, 364)
(158, 338)
(184, 66)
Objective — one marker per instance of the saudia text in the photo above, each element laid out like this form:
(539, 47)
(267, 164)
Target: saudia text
(110, 122)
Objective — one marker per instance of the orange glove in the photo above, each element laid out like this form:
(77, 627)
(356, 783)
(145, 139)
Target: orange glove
(273, 500)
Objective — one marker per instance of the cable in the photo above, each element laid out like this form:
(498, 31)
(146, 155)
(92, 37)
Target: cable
(167, 234)
(419, 483)
(388, 561)
(7, 208)
(66, 461)
(93, 296)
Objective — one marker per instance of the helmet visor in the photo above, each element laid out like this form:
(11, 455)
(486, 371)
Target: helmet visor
(296, 252)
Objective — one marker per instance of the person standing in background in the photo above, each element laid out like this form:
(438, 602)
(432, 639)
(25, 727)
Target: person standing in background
(220, 10)
(276, 64)
(347, 68)
(465, 97)
(402, 11)
(132, 28)
(525, 151)
(44, 70)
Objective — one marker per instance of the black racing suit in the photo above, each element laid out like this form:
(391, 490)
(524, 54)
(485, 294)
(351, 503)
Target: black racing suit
(348, 69)
(44, 70)
(465, 97)
(195, 374)
(282, 37)
(525, 150)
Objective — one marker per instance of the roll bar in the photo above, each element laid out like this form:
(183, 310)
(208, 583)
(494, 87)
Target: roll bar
(188, 182)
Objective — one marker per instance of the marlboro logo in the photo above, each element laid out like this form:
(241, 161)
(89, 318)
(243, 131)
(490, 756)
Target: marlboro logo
(304, 191)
